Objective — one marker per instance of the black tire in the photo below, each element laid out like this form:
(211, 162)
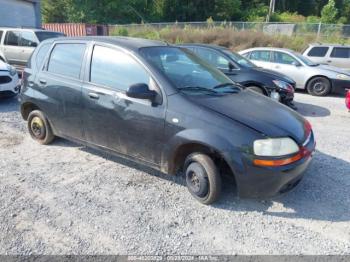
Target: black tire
(39, 128)
(203, 179)
(256, 89)
(319, 86)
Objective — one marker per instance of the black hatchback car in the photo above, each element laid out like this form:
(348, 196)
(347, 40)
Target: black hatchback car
(166, 108)
(241, 70)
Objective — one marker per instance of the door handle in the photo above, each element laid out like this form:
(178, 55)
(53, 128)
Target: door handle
(329, 61)
(94, 95)
(42, 81)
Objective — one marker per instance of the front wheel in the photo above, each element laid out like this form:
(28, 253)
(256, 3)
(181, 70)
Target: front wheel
(202, 178)
(39, 127)
(319, 86)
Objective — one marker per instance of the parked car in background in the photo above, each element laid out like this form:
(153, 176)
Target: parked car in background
(165, 107)
(246, 73)
(318, 80)
(329, 54)
(17, 44)
(9, 83)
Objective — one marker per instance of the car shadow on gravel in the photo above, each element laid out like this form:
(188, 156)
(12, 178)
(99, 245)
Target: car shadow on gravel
(9, 104)
(322, 195)
(312, 110)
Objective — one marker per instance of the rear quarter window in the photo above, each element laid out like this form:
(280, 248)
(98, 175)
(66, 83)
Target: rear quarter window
(41, 54)
(340, 52)
(66, 59)
(318, 51)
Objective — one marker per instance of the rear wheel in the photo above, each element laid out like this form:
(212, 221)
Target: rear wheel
(319, 86)
(202, 178)
(255, 89)
(39, 127)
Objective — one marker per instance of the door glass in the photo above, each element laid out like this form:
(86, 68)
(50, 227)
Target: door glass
(318, 51)
(116, 69)
(12, 38)
(213, 58)
(283, 58)
(1, 33)
(260, 56)
(66, 59)
(28, 39)
(41, 54)
(340, 52)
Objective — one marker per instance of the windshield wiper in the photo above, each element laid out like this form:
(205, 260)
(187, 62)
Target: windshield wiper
(197, 88)
(233, 85)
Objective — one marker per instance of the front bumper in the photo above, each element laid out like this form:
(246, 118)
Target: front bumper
(10, 88)
(340, 86)
(268, 182)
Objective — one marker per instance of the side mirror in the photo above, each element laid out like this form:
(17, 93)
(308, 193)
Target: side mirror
(230, 66)
(296, 63)
(141, 91)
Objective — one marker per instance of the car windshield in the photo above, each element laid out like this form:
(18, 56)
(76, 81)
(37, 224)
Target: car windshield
(47, 35)
(304, 59)
(240, 59)
(187, 72)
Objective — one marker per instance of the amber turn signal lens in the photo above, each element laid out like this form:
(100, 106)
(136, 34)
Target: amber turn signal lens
(279, 162)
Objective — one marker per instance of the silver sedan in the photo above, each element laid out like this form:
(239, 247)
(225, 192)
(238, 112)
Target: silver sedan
(318, 80)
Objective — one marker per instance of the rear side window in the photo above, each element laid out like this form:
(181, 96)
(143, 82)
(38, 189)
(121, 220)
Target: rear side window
(66, 59)
(41, 54)
(115, 69)
(260, 56)
(340, 52)
(12, 38)
(318, 51)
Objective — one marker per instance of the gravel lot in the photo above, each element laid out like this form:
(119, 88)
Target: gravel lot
(69, 199)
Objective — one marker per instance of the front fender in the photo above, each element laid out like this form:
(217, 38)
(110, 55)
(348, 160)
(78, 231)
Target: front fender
(200, 138)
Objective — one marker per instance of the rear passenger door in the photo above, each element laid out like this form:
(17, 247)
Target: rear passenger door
(129, 126)
(58, 86)
(340, 57)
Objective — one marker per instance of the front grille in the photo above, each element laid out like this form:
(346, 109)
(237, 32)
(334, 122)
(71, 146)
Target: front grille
(5, 79)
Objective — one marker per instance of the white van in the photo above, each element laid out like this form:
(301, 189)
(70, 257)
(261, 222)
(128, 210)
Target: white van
(330, 54)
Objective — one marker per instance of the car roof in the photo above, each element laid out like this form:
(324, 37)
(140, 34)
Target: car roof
(130, 43)
(216, 47)
(269, 49)
(328, 45)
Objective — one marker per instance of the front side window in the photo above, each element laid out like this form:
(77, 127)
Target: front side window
(66, 60)
(28, 39)
(12, 38)
(318, 51)
(116, 69)
(213, 58)
(340, 52)
(260, 56)
(283, 58)
(186, 71)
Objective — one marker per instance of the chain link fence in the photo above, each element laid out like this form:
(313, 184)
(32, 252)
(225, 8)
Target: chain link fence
(319, 30)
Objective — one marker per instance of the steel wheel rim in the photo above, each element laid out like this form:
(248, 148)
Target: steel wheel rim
(37, 127)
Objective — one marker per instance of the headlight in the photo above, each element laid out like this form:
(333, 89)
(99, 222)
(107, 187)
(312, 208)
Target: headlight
(275, 147)
(343, 77)
(283, 85)
(12, 70)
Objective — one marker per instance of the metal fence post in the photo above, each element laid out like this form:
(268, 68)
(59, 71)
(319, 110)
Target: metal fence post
(319, 30)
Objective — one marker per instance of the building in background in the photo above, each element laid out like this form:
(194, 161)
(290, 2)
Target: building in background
(20, 13)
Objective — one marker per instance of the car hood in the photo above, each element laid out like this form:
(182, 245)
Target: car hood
(274, 74)
(333, 69)
(258, 112)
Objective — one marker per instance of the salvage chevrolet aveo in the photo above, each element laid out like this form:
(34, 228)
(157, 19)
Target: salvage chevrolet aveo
(164, 107)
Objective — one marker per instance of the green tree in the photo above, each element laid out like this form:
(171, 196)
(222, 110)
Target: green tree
(329, 13)
(54, 11)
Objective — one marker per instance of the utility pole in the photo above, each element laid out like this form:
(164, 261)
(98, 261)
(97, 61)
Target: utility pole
(271, 10)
